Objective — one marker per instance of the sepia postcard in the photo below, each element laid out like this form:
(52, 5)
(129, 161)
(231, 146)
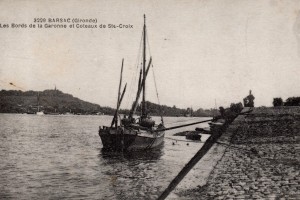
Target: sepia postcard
(136, 99)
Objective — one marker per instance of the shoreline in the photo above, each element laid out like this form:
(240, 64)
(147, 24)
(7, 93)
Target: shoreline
(256, 157)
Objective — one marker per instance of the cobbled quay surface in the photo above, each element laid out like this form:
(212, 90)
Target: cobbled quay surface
(261, 160)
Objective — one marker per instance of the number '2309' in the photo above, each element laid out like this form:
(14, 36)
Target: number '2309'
(39, 20)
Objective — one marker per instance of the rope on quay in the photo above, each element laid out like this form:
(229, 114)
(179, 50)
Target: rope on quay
(184, 140)
(184, 125)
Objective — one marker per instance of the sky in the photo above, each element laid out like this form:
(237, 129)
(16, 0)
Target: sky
(205, 52)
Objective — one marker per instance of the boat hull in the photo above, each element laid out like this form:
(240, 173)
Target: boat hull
(123, 139)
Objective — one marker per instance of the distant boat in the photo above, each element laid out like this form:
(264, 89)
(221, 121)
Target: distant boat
(134, 134)
(40, 113)
(38, 106)
(68, 113)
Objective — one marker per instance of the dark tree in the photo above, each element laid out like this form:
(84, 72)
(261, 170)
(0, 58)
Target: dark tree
(292, 101)
(277, 102)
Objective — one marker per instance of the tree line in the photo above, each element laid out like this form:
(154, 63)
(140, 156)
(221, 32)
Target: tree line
(291, 101)
(55, 101)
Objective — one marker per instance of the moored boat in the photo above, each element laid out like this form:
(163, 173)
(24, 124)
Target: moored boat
(130, 133)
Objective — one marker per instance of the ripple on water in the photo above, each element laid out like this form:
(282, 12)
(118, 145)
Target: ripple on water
(61, 157)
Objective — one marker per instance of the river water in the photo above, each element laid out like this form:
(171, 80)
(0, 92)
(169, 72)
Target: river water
(55, 157)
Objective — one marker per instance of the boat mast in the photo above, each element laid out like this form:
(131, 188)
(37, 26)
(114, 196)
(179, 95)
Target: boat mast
(142, 79)
(144, 69)
(119, 93)
(115, 119)
(140, 88)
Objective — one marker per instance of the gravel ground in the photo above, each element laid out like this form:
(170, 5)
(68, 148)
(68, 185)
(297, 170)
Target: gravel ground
(261, 159)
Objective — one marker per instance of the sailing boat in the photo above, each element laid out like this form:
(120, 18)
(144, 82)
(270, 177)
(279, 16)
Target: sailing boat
(134, 134)
(38, 106)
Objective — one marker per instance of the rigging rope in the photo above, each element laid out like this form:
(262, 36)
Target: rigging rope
(160, 110)
(133, 79)
(188, 120)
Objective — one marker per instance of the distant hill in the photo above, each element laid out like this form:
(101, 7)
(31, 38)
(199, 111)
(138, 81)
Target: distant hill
(55, 101)
(51, 101)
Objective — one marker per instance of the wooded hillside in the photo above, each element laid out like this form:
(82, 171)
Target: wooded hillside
(55, 101)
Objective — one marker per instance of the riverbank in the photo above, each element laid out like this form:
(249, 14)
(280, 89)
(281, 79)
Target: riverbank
(258, 156)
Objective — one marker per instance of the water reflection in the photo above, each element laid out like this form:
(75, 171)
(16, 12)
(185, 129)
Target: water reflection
(134, 174)
(145, 155)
